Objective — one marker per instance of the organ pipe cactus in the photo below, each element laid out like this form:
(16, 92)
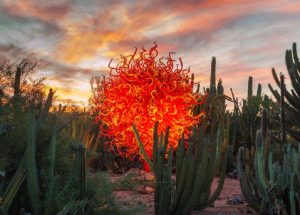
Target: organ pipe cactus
(267, 188)
(5, 141)
(195, 166)
(79, 169)
(13, 187)
(28, 170)
(291, 102)
(271, 184)
(31, 167)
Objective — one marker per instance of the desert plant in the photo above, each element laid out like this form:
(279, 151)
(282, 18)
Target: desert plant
(196, 166)
(289, 100)
(269, 182)
(271, 188)
(6, 131)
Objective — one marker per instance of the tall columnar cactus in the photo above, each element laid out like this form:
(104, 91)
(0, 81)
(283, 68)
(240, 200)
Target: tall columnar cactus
(13, 187)
(42, 195)
(45, 110)
(79, 170)
(6, 131)
(266, 189)
(31, 167)
(271, 183)
(195, 166)
(249, 115)
(292, 101)
(213, 88)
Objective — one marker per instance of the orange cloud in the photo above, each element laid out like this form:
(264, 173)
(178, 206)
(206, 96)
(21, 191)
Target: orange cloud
(107, 32)
(53, 11)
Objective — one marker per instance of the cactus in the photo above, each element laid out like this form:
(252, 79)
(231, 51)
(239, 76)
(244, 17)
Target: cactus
(5, 140)
(195, 167)
(249, 116)
(50, 205)
(265, 188)
(13, 186)
(274, 186)
(79, 170)
(17, 82)
(250, 87)
(212, 88)
(292, 97)
(31, 167)
(45, 110)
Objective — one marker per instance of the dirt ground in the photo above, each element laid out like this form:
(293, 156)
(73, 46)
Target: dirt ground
(230, 202)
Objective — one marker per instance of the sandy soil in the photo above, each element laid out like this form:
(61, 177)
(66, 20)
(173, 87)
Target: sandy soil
(230, 201)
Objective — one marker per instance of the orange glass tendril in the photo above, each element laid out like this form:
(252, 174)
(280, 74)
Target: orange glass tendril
(143, 89)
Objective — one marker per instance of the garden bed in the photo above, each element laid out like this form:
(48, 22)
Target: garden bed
(231, 200)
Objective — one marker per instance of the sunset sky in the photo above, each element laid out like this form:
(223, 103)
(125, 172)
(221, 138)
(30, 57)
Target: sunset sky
(75, 39)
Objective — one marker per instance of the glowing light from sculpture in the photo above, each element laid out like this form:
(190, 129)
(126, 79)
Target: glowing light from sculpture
(143, 89)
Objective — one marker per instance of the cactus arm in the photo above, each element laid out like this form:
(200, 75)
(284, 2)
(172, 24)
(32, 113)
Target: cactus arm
(282, 110)
(275, 77)
(295, 163)
(224, 152)
(258, 93)
(179, 188)
(79, 170)
(250, 87)
(292, 195)
(141, 146)
(159, 182)
(213, 89)
(165, 196)
(190, 178)
(155, 147)
(53, 141)
(260, 162)
(45, 111)
(165, 144)
(245, 181)
(271, 168)
(73, 128)
(179, 158)
(5, 140)
(199, 180)
(219, 188)
(13, 186)
(32, 177)
(296, 58)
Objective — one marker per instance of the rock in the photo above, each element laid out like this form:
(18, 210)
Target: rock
(145, 189)
(141, 190)
(142, 172)
(236, 200)
(139, 178)
(149, 176)
(149, 189)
